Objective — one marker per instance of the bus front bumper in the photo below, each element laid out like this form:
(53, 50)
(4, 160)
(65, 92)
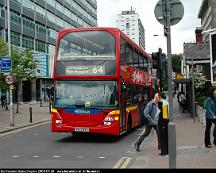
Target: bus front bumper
(113, 129)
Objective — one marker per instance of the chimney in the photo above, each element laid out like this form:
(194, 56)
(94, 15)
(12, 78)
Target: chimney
(198, 33)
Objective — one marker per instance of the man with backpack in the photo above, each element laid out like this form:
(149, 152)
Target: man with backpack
(151, 113)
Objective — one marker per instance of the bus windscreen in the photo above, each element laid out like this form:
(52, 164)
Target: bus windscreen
(91, 94)
(86, 53)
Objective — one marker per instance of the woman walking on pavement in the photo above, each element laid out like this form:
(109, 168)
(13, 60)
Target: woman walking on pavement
(210, 117)
(151, 113)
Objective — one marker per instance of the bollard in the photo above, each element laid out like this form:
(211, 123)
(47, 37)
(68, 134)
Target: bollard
(40, 102)
(30, 114)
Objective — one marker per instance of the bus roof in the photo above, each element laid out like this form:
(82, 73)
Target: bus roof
(141, 50)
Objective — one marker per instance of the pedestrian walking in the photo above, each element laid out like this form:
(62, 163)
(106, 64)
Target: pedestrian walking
(182, 101)
(163, 123)
(3, 100)
(210, 117)
(151, 113)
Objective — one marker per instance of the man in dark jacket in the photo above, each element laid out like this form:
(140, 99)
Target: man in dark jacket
(3, 100)
(151, 113)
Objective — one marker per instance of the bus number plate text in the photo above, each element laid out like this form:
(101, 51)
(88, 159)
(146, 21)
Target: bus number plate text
(81, 130)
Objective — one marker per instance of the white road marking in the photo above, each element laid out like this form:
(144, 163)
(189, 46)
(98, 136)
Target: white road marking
(101, 157)
(56, 156)
(20, 135)
(15, 156)
(35, 134)
(35, 156)
(23, 128)
(186, 147)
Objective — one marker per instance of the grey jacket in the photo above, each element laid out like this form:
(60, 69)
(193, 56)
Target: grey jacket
(150, 113)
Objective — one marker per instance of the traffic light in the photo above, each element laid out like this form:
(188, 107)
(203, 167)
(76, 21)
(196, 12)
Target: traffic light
(157, 58)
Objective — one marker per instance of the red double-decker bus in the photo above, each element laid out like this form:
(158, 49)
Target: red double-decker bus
(101, 78)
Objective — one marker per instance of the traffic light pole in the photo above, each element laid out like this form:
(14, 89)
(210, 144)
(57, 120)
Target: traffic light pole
(160, 61)
(171, 125)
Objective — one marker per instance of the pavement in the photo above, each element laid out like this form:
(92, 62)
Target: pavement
(22, 119)
(191, 152)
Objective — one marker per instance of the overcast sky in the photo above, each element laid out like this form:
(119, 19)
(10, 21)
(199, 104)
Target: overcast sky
(184, 31)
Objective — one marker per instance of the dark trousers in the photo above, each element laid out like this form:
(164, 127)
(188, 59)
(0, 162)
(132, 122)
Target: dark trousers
(146, 133)
(208, 130)
(3, 103)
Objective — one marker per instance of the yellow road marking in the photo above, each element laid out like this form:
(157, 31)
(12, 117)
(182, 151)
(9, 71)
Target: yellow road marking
(127, 161)
(122, 163)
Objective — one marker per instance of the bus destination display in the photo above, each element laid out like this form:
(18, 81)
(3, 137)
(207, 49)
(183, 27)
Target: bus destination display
(85, 70)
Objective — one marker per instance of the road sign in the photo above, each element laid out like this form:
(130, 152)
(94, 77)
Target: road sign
(176, 12)
(5, 64)
(9, 79)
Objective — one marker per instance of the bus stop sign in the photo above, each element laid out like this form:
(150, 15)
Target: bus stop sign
(177, 12)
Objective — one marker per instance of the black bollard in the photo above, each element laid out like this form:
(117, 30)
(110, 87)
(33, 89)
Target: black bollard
(40, 102)
(30, 114)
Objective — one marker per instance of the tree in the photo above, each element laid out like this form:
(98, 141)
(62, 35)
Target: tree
(176, 63)
(24, 67)
(3, 52)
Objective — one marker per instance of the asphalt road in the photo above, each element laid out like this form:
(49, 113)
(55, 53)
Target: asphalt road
(38, 147)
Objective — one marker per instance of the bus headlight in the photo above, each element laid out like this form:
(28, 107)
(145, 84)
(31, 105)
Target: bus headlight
(111, 117)
(58, 121)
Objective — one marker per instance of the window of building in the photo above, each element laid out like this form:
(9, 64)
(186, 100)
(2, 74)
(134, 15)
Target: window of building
(52, 33)
(15, 18)
(2, 34)
(28, 42)
(51, 17)
(52, 3)
(51, 49)
(17, 1)
(135, 58)
(40, 11)
(28, 23)
(59, 7)
(59, 22)
(127, 25)
(29, 4)
(15, 39)
(2, 12)
(41, 28)
(40, 46)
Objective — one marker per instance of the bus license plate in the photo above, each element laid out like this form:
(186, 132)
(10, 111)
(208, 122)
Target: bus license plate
(81, 130)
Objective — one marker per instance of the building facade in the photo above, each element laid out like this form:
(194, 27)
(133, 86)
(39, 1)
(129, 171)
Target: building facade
(130, 23)
(207, 14)
(199, 52)
(35, 24)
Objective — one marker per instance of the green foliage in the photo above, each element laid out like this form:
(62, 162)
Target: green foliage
(199, 80)
(3, 52)
(200, 100)
(23, 64)
(176, 63)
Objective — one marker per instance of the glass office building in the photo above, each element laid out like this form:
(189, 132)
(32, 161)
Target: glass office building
(35, 23)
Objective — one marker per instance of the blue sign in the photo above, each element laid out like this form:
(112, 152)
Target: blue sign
(42, 63)
(6, 64)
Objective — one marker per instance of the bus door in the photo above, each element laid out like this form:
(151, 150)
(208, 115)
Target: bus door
(123, 108)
